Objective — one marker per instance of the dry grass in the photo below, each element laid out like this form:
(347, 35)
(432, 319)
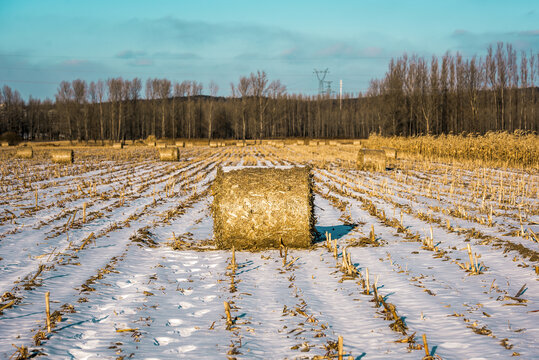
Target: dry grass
(494, 149)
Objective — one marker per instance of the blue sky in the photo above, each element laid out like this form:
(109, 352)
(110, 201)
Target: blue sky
(44, 42)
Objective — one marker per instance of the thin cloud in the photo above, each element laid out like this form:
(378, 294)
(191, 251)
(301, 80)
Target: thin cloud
(74, 62)
(476, 43)
(130, 54)
(142, 62)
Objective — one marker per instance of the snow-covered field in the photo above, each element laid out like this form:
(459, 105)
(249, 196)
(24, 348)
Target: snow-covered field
(118, 289)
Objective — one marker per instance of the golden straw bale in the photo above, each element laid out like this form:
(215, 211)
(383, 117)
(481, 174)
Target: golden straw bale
(189, 144)
(279, 144)
(118, 145)
(254, 208)
(391, 153)
(313, 143)
(62, 156)
(372, 159)
(214, 144)
(333, 143)
(240, 143)
(161, 145)
(300, 142)
(5, 144)
(179, 144)
(24, 153)
(169, 154)
(357, 142)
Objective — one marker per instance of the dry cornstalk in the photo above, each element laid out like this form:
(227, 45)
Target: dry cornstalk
(91, 236)
(426, 345)
(227, 312)
(48, 310)
(340, 347)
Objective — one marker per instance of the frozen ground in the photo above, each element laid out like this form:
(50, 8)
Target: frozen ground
(119, 290)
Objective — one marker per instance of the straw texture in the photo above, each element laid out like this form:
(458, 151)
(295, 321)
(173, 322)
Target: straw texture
(169, 154)
(63, 156)
(254, 208)
(371, 159)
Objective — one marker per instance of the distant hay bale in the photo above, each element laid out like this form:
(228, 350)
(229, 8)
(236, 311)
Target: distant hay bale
(118, 145)
(372, 159)
(151, 139)
(169, 154)
(214, 144)
(279, 144)
(357, 142)
(62, 156)
(5, 144)
(313, 143)
(391, 153)
(222, 144)
(300, 142)
(179, 144)
(254, 208)
(333, 143)
(189, 144)
(24, 153)
(161, 145)
(240, 143)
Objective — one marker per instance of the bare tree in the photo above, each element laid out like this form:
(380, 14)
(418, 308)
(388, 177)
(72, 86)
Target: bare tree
(244, 89)
(164, 93)
(259, 89)
(80, 91)
(64, 97)
(214, 88)
(100, 90)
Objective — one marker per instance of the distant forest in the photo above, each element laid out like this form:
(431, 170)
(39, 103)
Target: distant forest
(418, 95)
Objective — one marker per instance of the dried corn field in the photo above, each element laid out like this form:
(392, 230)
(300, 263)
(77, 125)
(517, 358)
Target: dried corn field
(122, 243)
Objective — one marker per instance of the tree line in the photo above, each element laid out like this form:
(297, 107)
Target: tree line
(417, 95)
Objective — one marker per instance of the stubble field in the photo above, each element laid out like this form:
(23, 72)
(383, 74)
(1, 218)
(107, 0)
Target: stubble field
(123, 244)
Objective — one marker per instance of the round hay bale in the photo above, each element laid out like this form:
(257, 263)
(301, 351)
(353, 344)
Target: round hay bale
(5, 144)
(356, 142)
(254, 208)
(300, 142)
(161, 145)
(62, 156)
(189, 144)
(118, 145)
(279, 144)
(240, 143)
(313, 143)
(179, 144)
(169, 154)
(391, 153)
(371, 159)
(333, 143)
(25, 152)
(214, 144)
